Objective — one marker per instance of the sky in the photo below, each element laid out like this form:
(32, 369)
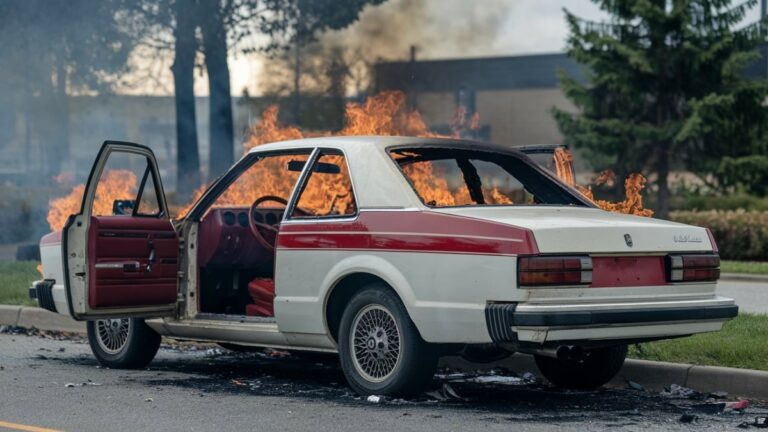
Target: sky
(439, 29)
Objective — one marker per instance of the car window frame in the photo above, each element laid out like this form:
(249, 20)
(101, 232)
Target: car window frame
(246, 162)
(150, 169)
(304, 179)
(484, 148)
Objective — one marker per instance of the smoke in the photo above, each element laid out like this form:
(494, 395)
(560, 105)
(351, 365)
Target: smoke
(438, 28)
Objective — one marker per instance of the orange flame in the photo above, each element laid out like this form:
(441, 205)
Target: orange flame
(113, 185)
(633, 186)
(384, 114)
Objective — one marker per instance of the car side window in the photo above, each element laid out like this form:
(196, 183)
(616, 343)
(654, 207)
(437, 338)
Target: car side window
(327, 191)
(126, 187)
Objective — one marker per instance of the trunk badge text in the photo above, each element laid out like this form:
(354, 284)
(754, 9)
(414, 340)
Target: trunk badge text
(628, 240)
(685, 238)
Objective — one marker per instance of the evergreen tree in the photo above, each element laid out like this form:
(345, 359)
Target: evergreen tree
(665, 88)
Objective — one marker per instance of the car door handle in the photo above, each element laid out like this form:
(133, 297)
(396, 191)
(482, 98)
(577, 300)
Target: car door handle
(152, 257)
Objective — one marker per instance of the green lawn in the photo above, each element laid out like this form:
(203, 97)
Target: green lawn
(741, 344)
(15, 280)
(751, 267)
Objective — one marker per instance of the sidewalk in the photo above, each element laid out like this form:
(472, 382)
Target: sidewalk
(26, 316)
(744, 277)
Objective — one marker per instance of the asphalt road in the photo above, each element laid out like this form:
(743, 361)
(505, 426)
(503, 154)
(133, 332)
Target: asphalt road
(56, 384)
(750, 296)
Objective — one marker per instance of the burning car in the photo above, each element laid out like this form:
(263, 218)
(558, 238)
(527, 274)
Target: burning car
(391, 251)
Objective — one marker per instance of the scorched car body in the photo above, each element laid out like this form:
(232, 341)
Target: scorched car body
(357, 252)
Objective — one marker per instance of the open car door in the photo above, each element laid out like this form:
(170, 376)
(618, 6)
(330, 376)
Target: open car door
(121, 251)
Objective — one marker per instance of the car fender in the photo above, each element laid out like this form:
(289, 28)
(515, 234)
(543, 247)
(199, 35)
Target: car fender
(375, 266)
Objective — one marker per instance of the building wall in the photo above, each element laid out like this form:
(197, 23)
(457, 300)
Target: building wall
(515, 117)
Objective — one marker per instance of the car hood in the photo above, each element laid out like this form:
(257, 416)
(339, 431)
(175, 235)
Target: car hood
(579, 230)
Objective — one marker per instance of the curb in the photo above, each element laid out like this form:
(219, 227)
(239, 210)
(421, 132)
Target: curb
(41, 319)
(743, 277)
(653, 375)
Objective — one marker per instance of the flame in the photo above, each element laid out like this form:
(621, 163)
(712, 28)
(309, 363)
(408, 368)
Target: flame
(113, 185)
(386, 114)
(633, 186)
(39, 268)
(564, 166)
(383, 114)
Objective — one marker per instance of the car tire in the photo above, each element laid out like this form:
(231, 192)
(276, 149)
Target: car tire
(390, 358)
(123, 343)
(591, 370)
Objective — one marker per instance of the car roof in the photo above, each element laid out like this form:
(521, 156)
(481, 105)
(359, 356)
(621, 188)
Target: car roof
(343, 142)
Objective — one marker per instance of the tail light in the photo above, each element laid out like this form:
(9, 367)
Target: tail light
(693, 267)
(554, 270)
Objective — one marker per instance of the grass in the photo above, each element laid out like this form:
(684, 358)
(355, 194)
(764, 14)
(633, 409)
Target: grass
(15, 280)
(750, 267)
(741, 344)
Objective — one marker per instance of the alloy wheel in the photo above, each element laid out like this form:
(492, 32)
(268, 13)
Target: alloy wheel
(376, 341)
(112, 334)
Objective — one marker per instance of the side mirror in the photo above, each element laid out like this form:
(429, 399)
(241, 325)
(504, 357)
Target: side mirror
(123, 207)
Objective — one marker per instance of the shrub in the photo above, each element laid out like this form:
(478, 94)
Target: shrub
(725, 202)
(740, 235)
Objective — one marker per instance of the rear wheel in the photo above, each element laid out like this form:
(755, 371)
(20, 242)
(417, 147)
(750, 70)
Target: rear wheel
(590, 370)
(380, 348)
(123, 343)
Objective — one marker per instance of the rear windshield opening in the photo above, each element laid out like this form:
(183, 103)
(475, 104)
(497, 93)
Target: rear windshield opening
(447, 177)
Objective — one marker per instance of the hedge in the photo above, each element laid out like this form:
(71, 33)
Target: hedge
(740, 234)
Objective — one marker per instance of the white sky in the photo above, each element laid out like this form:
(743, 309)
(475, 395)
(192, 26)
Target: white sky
(521, 27)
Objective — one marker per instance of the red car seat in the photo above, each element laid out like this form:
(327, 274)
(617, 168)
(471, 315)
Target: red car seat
(262, 291)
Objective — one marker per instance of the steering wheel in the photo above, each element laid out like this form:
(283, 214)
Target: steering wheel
(265, 233)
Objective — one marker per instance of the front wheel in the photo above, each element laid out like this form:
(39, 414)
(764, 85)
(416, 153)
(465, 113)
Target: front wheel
(587, 372)
(123, 343)
(380, 348)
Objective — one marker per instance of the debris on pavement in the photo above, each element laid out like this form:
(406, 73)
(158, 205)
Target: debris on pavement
(444, 393)
(149, 400)
(635, 386)
(678, 391)
(759, 422)
(83, 384)
(687, 418)
(739, 405)
(375, 399)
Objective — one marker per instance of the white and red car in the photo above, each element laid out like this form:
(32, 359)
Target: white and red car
(390, 251)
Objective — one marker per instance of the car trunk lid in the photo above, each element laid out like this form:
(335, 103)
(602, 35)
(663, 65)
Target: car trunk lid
(560, 229)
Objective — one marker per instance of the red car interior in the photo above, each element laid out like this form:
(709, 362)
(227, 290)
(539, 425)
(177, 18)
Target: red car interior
(236, 271)
(226, 240)
(135, 260)
(262, 291)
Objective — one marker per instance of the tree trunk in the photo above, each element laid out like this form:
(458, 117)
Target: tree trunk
(297, 84)
(221, 151)
(187, 157)
(663, 182)
(59, 132)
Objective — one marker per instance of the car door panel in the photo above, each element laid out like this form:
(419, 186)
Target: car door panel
(120, 249)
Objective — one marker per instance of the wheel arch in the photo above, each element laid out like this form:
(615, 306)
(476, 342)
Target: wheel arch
(351, 279)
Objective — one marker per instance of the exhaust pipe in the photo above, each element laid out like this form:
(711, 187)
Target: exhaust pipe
(562, 352)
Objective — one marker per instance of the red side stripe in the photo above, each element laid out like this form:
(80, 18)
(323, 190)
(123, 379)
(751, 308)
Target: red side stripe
(413, 231)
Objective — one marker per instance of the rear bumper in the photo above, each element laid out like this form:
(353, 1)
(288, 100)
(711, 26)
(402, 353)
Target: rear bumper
(585, 318)
(540, 323)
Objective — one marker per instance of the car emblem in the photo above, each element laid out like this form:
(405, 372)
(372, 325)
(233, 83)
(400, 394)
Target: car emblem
(628, 240)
